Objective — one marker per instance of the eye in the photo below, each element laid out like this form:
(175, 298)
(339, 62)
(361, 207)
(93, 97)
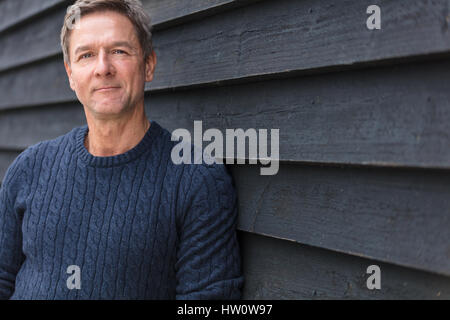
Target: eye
(84, 56)
(119, 51)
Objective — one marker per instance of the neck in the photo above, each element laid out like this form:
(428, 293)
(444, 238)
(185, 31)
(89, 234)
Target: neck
(111, 137)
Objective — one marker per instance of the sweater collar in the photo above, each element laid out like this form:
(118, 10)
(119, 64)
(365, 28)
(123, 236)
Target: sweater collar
(130, 155)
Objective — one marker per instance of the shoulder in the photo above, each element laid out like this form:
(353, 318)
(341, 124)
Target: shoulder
(197, 171)
(207, 190)
(24, 162)
(64, 139)
(52, 145)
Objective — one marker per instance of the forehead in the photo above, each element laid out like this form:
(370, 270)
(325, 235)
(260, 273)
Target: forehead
(102, 28)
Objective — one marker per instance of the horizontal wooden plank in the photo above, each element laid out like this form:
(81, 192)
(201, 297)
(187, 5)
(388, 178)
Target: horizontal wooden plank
(24, 127)
(34, 85)
(286, 36)
(41, 39)
(172, 12)
(278, 37)
(32, 41)
(163, 13)
(370, 117)
(282, 270)
(13, 12)
(393, 215)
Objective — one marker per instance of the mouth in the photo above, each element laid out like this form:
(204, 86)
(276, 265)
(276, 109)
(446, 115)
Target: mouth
(106, 89)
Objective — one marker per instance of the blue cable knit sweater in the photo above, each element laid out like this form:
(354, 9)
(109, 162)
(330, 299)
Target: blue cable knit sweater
(137, 226)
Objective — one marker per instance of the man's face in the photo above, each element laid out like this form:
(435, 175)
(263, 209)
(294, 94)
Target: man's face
(107, 69)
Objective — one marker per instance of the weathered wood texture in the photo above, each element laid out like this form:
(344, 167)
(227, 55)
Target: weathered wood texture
(277, 269)
(392, 215)
(264, 39)
(31, 42)
(20, 128)
(165, 13)
(13, 13)
(285, 36)
(379, 116)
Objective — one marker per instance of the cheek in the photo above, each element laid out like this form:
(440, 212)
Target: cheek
(79, 81)
(133, 71)
(132, 82)
(81, 85)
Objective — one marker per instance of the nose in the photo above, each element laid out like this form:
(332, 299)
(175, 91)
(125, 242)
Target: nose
(103, 65)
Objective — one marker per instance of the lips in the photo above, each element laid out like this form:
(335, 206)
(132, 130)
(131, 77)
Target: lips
(102, 89)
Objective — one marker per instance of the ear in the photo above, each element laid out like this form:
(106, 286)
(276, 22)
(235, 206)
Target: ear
(150, 65)
(69, 75)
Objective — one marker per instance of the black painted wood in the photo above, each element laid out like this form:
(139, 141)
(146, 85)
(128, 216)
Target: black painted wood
(166, 13)
(386, 116)
(280, 37)
(394, 215)
(21, 128)
(39, 84)
(389, 116)
(31, 42)
(14, 12)
(286, 36)
(277, 269)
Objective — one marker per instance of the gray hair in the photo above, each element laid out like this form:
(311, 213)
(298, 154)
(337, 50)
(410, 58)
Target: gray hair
(132, 9)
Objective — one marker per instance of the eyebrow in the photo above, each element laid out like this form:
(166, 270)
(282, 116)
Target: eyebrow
(114, 44)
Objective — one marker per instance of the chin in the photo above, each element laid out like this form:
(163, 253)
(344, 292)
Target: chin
(109, 109)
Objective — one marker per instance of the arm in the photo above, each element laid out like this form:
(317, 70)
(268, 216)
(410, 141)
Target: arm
(11, 256)
(208, 259)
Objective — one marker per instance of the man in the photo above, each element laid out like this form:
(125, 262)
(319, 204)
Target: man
(102, 212)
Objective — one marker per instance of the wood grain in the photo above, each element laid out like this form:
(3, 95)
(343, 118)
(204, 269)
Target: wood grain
(282, 270)
(14, 12)
(267, 38)
(392, 215)
(385, 116)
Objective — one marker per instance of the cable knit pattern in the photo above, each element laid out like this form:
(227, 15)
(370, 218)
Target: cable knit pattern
(138, 226)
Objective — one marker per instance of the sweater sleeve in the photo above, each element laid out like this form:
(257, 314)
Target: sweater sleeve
(208, 258)
(11, 256)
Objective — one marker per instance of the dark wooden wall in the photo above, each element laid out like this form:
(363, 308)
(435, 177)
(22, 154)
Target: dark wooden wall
(364, 119)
